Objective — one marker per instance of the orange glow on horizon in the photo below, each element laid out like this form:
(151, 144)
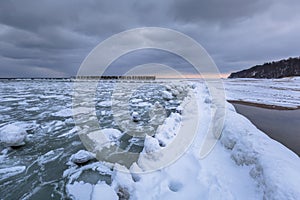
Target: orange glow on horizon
(194, 76)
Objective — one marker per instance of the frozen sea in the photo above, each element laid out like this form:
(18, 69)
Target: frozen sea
(44, 109)
(244, 164)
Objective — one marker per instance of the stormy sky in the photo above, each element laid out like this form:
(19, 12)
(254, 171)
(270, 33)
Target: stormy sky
(51, 38)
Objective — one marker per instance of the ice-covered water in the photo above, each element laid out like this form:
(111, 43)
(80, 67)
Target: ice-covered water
(283, 92)
(41, 168)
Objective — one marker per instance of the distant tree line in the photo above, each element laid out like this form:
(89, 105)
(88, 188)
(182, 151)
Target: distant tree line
(275, 69)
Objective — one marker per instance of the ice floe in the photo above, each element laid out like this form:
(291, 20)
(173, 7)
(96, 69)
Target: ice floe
(11, 171)
(83, 191)
(12, 135)
(278, 92)
(81, 157)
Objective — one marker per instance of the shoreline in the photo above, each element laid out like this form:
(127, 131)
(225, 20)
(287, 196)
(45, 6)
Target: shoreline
(261, 105)
(281, 124)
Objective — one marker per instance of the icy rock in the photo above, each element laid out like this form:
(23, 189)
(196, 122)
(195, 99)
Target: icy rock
(179, 109)
(175, 92)
(12, 135)
(151, 144)
(157, 104)
(179, 88)
(135, 170)
(167, 95)
(81, 157)
(168, 87)
(135, 116)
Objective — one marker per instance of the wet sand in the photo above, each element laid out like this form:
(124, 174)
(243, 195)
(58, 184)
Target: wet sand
(281, 124)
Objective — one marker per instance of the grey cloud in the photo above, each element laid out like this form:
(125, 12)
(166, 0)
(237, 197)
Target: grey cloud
(51, 38)
(217, 11)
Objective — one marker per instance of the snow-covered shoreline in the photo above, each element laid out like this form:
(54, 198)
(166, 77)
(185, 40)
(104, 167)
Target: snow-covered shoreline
(244, 164)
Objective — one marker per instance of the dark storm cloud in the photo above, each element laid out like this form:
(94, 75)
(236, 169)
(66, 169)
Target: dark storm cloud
(218, 11)
(51, 38)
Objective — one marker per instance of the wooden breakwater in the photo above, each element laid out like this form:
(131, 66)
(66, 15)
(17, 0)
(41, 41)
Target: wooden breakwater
(117, 77)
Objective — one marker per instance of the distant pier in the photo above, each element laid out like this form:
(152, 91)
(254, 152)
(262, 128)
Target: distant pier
(117, 77)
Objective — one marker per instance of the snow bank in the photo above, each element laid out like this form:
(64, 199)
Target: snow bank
(244, 164)
(12, 135)
(274, 167)
(168, 130)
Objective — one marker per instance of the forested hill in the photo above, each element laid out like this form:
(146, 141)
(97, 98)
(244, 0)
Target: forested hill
(278, 69)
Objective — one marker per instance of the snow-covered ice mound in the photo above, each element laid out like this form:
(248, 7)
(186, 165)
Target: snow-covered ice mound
(81, 157)
(12, 135)
(135, 116)
(167, 95)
